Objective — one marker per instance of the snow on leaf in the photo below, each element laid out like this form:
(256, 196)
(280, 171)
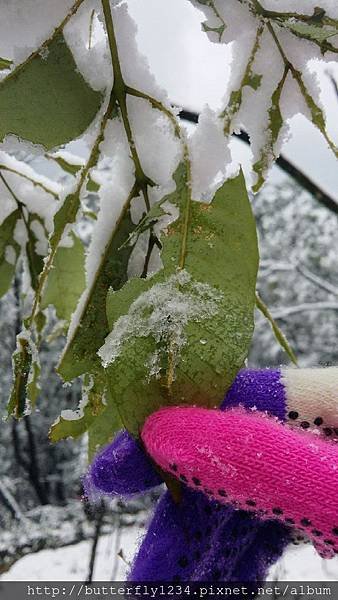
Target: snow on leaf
(91, 325)
(268, 45)
(26, 372)
(94, 414)
(178, 296)
(47, 101)
(186, 330)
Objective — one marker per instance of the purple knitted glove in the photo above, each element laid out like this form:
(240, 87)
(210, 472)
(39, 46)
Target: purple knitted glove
(197, 539)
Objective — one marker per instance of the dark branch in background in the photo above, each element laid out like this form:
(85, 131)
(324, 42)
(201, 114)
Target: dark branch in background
(303, 180)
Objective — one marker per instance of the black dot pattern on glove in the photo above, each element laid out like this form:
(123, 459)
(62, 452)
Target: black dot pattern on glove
(305, 424)
(183, 562)
(293, 415)
(318, 421)
(243, 504)
(327, 430)
(316, 532)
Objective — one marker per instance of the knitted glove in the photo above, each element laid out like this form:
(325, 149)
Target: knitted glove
(305, 397)
(253, 462)
(198, 539)
(201, 539)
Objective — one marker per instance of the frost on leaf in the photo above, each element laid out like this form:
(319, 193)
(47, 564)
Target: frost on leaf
(180, 335)
(26, 372)
(163, 312)
(274, 49)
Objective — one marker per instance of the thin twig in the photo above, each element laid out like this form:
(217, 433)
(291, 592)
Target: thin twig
(279, 335)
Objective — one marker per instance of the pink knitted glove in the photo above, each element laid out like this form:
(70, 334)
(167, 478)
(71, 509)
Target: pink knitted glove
(253, 462)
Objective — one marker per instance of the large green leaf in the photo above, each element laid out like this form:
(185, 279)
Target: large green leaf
(66, 280)
(180, 336)
(7, 269)
(80, 355)
(47, 101)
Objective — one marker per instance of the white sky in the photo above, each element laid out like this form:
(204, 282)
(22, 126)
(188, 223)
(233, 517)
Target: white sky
(194, 71)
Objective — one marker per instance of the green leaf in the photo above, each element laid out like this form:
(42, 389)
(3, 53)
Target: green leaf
(66, 280)
(180, 336)
(7, 269)
(92, 186)
(250, 78)
(80, 354)
(316, 33)
(103, 427)
(317, 115)
(5, 64)
(47, 101)
(66, 166)
(26, 372)
(95, 414)
(35, 260)
(75, 423)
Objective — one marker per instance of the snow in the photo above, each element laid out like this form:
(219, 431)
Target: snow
(10, 255)
(70, 563)
(210, 155)
(31, 194)
(21, 32)
(85, 37)
(115, 175)
(74, 415)
(252, 111)
(153, 133)
(162, 312)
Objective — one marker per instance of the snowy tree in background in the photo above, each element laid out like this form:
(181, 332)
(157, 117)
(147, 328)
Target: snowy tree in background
(158, 307)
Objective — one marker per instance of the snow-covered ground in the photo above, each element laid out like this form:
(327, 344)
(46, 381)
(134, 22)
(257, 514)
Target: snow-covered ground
(71, 563)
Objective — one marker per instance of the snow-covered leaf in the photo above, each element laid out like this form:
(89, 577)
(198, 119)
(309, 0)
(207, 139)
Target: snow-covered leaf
(66, 281)
(180, 336)
(26, 371)
(88, 335)
(46, 100)
(273, 52)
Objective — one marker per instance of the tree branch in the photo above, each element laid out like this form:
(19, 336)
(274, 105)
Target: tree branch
(285, 165)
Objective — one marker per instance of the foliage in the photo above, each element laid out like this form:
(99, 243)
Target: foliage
(159, 309)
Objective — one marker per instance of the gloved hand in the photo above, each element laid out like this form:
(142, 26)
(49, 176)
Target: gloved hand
(254, 463)
(197, 539)
(201, 539)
